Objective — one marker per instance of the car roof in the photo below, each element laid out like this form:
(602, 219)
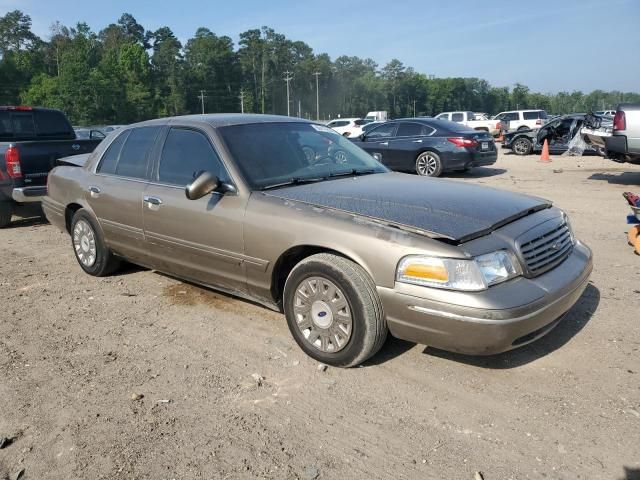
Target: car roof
(223, 119)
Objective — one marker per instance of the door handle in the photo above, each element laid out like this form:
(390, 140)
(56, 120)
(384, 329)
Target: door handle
(152, 202)
(94, 192)
(385, 144)
(417, 141)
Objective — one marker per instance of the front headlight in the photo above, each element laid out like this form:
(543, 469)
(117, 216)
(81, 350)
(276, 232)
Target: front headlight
(458, 274)
(565, 217)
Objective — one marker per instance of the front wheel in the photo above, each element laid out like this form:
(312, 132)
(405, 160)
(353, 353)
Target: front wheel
(429, 164)
(91, 252)
(522, 146)
(333, 310)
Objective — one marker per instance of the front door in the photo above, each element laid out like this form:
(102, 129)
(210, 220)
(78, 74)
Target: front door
(376, 142)
(199, 239)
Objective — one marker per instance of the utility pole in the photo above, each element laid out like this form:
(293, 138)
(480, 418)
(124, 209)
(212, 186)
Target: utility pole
(241, 101)
(287, 78)
(202, 96)
(414, 108)
(317, 74)
(299, 108)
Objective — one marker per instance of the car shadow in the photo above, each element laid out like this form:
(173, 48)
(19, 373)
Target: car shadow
(623, 178)
(477, 172)
(392, 348)
(574, 321)
(29, 221)
(631, 474)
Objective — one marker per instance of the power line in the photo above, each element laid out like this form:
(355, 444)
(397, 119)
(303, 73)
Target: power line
(288, 76)
(202, 96)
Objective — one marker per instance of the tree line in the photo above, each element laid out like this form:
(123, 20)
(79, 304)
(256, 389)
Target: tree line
(125, 73)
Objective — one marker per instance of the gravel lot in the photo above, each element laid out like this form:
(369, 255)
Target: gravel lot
(142, 376)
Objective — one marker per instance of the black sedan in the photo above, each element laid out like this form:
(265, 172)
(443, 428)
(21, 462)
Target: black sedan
(558, 132)
(428, 146)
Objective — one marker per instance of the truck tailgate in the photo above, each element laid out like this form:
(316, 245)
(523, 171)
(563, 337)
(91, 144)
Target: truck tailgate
(37, 158)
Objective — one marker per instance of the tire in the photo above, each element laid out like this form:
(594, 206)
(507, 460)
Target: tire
(522, 146)
(93, 256)
(5, 216)
(333, 310)
(428, 164)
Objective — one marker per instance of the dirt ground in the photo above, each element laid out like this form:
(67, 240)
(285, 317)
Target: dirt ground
(140, 376)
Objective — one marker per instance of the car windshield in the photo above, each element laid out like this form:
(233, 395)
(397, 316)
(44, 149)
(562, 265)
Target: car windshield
(277, 154)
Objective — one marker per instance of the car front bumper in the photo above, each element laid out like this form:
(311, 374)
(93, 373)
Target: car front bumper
(484, 331)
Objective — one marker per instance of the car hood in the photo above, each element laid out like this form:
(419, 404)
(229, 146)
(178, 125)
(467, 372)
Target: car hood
(438, 208)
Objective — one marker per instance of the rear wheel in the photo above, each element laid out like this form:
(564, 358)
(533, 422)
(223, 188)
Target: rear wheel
(429, 164)
(5, 215)
(91, 252)
(522, 146)
(333, 310)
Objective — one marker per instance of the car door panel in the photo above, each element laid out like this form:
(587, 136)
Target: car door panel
(116, 190)
(201, 239)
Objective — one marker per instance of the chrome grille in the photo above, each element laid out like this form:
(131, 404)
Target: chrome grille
(548, 250)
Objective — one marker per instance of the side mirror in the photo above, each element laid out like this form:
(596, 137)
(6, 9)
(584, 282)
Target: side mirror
(203, 184)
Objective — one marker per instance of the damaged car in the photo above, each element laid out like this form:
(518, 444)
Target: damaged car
(559, 134)
(348, 250)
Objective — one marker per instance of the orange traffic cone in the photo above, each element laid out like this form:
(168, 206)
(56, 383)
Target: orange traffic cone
(545, 152)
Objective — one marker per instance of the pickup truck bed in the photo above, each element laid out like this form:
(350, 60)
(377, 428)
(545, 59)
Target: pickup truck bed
(31, 140)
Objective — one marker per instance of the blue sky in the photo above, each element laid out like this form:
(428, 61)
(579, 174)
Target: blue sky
(547, 45)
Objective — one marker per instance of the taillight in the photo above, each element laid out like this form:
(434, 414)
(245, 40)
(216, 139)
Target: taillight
(12, 161)
(463, 142)
(619, 121)
(539, 121)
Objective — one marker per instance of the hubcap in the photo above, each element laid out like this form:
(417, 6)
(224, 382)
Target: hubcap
(84, 243)
(426, 164)
(322, 314)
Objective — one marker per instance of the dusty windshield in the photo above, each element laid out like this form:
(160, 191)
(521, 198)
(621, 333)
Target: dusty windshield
(277, 154)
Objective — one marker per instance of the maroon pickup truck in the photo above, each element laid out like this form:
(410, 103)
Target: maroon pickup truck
(31, 141)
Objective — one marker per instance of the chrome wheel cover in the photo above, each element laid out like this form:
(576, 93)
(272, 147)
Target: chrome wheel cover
(426, 164)
(322, 314)
(84, 243)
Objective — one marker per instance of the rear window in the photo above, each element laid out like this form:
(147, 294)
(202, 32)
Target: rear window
(361, 122)
(339, 123)
(534, 115)
(447, 126)
(110, 158)
(50, 123)
(457, 117)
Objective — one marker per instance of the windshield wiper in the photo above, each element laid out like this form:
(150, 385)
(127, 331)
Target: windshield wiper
(353, 172)
(294, 181)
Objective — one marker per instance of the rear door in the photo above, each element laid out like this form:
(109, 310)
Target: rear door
(403, 149)
(376, 141)
(116, 190)
(196, 239)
